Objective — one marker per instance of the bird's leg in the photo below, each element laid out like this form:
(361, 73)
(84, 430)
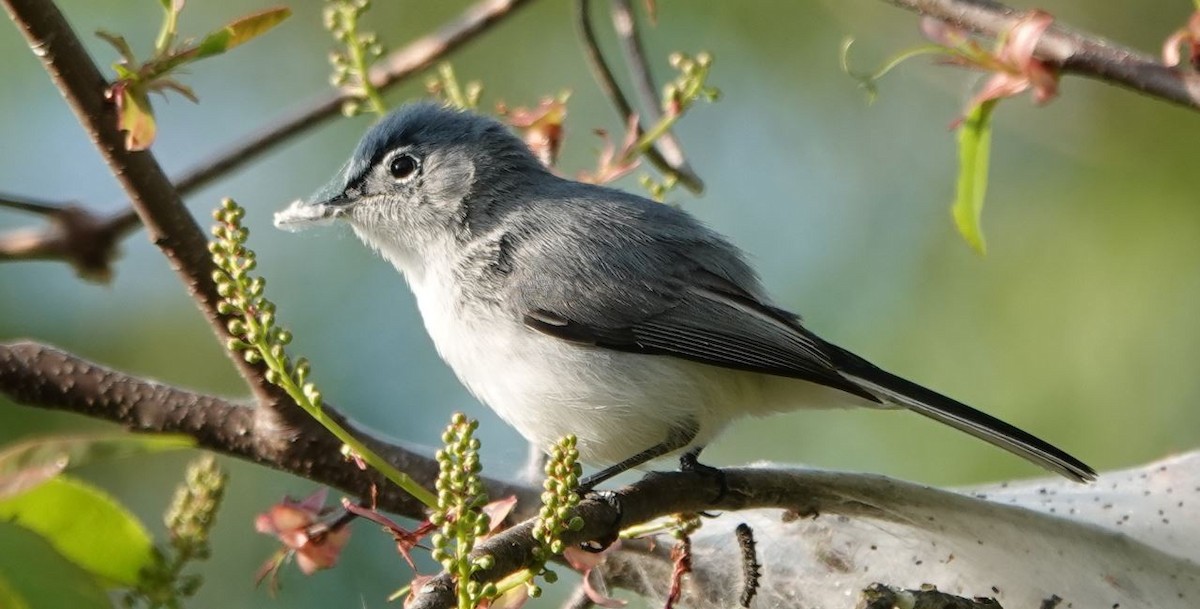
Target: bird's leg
(677, 439)
(688, 462)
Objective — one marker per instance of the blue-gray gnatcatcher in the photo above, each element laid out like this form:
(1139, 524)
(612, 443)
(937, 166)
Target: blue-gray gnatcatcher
(570, 308)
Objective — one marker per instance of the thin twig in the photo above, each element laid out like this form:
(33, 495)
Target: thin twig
(29, 204)
(625, 23)
(393, 69)
(608, 83)
(1073, 51)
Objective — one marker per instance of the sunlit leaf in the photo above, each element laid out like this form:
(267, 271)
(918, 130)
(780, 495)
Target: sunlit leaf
(974, 145)
(135, 116)
(9, 597)
(26, 464)
(85, 525)
(240, 31)
(33, 574)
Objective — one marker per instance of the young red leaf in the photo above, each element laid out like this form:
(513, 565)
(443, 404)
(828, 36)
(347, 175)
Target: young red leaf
(296, 525)
(497, 511)
(584, 562)
(1188, 36)
(135, 116)
(542, 127)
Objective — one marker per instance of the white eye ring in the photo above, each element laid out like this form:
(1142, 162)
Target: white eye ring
(404, 167)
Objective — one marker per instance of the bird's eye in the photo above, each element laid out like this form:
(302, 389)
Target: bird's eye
(403, 167)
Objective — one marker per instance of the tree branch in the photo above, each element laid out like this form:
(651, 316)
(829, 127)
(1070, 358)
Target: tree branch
(91, 246)
(1073, 51)
(77, 235)
(44, 377)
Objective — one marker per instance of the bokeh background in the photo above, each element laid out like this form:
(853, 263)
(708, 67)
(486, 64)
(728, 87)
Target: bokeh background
(1080, 325)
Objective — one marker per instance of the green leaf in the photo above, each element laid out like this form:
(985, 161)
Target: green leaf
(974, 146)
(85, 525)
(24, 465)
(33, 574)
(240, 31)
(119, 43)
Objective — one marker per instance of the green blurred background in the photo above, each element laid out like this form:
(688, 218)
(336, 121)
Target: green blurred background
(1080, 325)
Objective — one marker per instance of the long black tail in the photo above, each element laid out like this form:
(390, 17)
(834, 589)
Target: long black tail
(938, 407)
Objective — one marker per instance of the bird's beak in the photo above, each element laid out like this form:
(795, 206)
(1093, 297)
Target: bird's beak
(323, 207)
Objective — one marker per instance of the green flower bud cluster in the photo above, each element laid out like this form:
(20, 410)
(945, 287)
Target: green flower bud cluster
(459, 515)
(189, 519)
(350, 66)
(194, 508)
(557, 514)
(690, 85)
(659, 189)
(252, 329)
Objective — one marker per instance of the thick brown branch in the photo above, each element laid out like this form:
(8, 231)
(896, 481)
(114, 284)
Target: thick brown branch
(396, 67)
(1073, 51)
(43, 377)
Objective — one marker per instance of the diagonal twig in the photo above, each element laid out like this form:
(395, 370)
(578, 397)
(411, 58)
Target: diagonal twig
(608, 83)
(626, 25)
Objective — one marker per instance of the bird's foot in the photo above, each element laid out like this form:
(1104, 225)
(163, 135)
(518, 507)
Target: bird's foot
(688, 463)
(613, 531)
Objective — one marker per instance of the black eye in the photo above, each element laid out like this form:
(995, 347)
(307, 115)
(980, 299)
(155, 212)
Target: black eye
(403, 167)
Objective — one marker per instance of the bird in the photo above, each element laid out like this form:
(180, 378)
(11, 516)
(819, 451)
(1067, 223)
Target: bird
(576, 308)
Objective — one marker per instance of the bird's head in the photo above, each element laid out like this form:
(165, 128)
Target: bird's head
(424, 178)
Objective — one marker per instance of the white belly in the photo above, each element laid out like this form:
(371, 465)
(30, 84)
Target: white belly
(616, 403)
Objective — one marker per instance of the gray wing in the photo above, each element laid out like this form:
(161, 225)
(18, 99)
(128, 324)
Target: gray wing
(654, 281)
(711, 327)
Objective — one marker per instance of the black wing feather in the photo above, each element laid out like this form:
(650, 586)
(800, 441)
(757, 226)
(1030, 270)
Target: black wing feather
(715, 328)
